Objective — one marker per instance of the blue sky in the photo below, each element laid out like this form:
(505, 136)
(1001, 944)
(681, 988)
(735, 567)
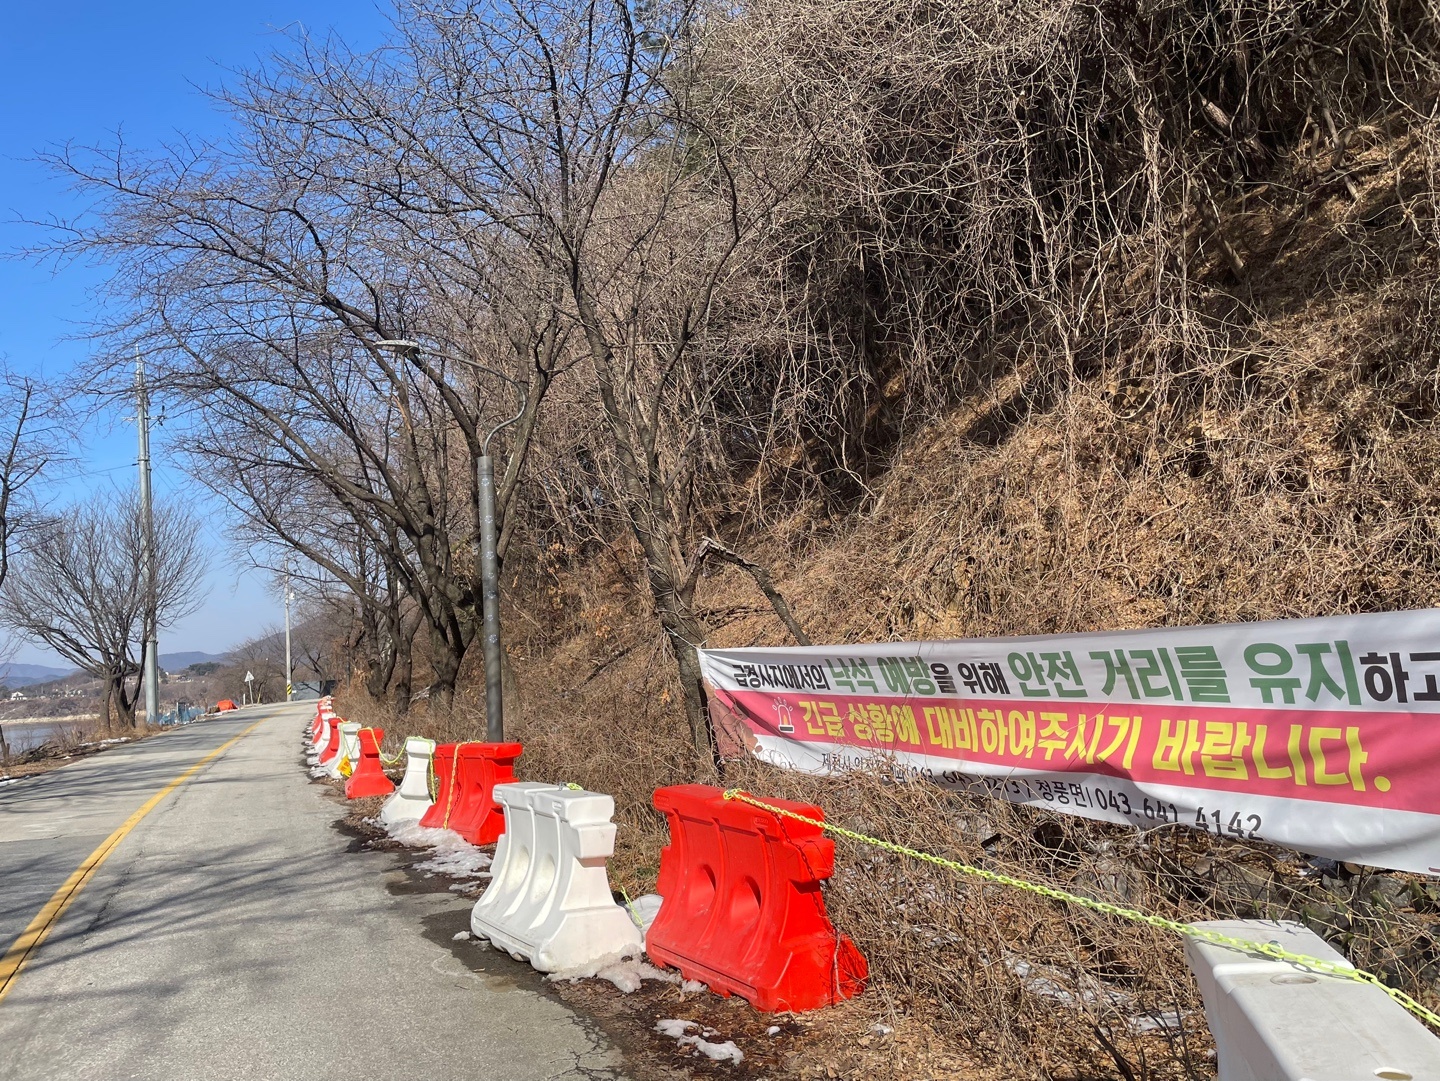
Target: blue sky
(79, 70)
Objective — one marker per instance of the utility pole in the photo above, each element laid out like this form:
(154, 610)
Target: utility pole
(489, 549)
(289, 687)
(147, 508)
(490, 596)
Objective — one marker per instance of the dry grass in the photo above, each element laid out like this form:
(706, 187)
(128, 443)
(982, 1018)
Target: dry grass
(964, 973)
(978, 972)
(1084, 517)
(1209, 395)
(70, 740)
(949, 956)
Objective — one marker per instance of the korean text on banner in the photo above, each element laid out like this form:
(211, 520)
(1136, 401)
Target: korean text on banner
(1319, 734)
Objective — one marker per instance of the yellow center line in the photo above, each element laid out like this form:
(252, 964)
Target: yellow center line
(30, 939)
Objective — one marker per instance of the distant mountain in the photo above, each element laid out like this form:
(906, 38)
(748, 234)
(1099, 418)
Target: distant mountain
(175, 662)
(23, 675)
(26, 675)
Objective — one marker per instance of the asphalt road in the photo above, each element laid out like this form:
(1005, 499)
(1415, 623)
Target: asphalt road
(232, 935)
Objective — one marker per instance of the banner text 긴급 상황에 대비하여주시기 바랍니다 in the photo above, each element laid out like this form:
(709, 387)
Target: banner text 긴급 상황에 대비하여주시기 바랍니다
(1316, 734)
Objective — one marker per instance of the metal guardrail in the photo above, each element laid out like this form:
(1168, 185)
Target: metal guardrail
(181, 714)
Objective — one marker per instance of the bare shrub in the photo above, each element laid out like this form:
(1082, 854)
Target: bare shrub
(1066, 190)
(1043, 316)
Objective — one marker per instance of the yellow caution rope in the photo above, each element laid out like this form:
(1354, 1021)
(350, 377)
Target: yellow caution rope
(1263, 949)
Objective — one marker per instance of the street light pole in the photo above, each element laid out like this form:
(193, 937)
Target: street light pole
(489, 552)
(490, 597)
(147, 509)
(289, 687)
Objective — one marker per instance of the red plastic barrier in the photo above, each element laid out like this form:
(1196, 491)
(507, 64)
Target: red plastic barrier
(368, 778)
(333, 725)
(443, 763)
(465, 789)
(322, 707)
(743, 909)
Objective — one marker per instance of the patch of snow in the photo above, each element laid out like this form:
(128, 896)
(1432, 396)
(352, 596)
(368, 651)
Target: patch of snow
(468, 862)
(1051, 983)
(880, 1030)
(626, 972)
(316, 772)
(679, 1031)
(691, 986)
(460, 936)
(8, 780)
(1167, 1021)
(773, 1030)
(450, 853)
(629, 973)
(716, 1052)
(414, 835)
(644, 909)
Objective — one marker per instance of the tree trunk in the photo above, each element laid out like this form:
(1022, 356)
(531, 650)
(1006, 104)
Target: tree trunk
(125, 714)
(404, 669)
(380, 656)
(711, 548)
(683, 630)
(379, 667)
(674, 604)
(445, 662)
(107, 717)
(652, 519)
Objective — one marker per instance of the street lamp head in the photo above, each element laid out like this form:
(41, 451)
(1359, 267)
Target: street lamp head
(490, 564)
(414, 348)
(400, 345)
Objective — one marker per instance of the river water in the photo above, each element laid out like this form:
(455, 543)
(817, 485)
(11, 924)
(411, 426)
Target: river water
(22, 736)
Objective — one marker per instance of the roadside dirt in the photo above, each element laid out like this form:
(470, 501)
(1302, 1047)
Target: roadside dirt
(50, 756)
(861, 1038)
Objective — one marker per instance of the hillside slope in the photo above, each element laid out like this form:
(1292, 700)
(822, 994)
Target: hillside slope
(1290, 474)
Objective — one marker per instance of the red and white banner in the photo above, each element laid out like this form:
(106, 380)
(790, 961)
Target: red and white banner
(1319, 734)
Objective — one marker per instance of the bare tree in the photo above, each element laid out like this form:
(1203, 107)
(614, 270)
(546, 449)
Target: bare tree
(29, 444)
(347, 556)
(262, 657)
(316, 639)
(80, 589)
(578, 145)
(262, 280)
(626, 174)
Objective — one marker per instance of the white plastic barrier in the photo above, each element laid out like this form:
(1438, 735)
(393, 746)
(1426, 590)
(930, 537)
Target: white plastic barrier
(1276, 1021)
(327, 733)
(349, 750)
(329, 738)
(323, 711)
(410, 801)
(549, 899)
